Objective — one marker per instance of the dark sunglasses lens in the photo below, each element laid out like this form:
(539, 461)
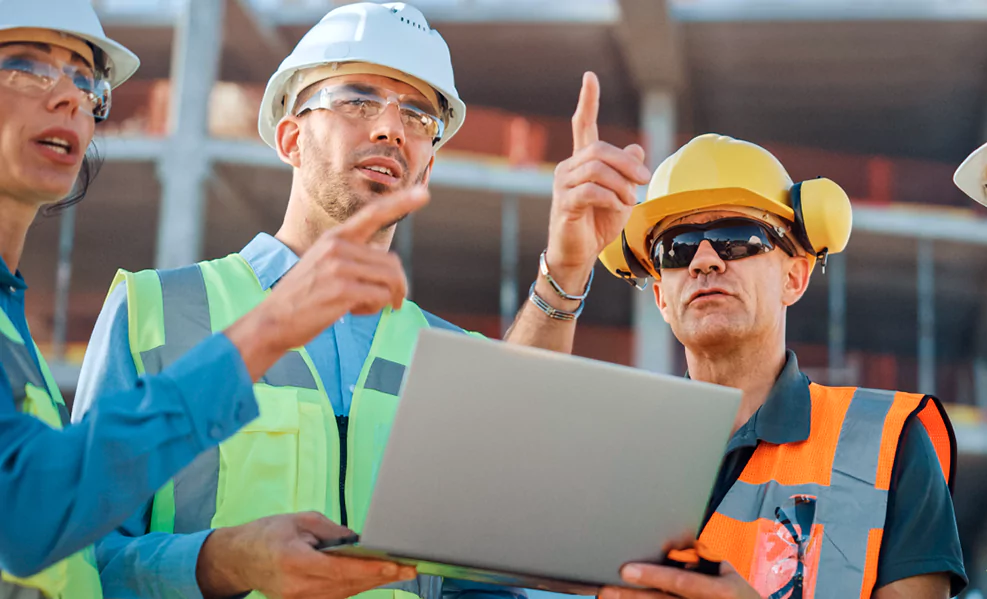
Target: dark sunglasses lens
(676, 249)
(739, 241)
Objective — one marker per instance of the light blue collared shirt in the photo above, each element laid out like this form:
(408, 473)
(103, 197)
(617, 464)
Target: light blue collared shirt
(157, 565)
(61, 490)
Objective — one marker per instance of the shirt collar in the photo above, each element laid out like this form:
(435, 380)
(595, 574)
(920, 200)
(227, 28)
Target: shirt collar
(10, 280)
(269, 258)
(785, 416)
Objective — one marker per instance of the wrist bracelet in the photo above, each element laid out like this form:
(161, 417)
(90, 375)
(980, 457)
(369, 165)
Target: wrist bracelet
(543, 267)
(550, 311)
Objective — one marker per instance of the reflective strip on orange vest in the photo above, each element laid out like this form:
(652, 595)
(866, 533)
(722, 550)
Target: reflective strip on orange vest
(846, 465)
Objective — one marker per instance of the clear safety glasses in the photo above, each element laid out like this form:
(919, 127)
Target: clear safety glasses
(357, 101)
(23, 70)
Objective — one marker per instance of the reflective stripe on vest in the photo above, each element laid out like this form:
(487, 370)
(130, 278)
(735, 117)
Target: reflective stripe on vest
(36, 393)
(288, 459)
(844, 471)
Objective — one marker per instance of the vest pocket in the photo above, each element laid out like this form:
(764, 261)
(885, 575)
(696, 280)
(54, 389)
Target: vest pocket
(277, 463)
(777, 559)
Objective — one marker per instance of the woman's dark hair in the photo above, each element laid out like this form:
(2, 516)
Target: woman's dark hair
(91, 163)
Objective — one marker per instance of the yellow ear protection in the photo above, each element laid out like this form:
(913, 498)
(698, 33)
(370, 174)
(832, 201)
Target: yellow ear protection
(823, 217)
(798, 228)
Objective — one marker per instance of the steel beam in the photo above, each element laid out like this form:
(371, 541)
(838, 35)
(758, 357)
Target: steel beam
(405, 243)
(161, 13)
(63, 281)
(926, 317)
(510, 232)
(185, 166)
(829, 10)
(455, 171)
(836, 278)
(654, 344)
(255, 47)
(651, 44)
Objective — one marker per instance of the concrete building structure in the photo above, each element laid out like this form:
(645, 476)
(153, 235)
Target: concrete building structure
(885, 98)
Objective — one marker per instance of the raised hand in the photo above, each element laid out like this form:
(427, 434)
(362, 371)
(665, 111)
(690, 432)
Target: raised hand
(593, 195)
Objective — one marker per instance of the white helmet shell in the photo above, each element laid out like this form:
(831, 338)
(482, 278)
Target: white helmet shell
(971, 176)
(73, 17)
(394, 35)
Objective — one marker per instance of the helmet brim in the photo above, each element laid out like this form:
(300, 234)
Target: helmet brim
(970, 176)
(122, 62)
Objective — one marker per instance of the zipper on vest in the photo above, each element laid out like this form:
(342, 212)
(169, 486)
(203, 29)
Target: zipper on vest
(342, 424)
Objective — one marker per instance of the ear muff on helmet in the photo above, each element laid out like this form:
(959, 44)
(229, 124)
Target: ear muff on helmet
(823, 217)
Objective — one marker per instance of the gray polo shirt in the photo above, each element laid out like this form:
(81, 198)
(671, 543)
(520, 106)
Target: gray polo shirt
(920, 534)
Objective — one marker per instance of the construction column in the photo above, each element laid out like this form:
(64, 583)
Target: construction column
(836, 277)
(185, 166)
(926, 317)
(510, 242)
(653, 340)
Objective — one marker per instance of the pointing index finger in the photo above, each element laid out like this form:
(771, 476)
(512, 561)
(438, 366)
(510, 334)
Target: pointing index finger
(584, 128)
(370, 219)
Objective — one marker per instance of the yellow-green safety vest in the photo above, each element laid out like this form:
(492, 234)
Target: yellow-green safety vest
(296, 456)
(36, 393)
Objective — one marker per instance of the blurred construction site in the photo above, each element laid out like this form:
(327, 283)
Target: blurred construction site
(884, 98)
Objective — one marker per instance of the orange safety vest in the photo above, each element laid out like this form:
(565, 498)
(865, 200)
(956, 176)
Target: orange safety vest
(806, 519)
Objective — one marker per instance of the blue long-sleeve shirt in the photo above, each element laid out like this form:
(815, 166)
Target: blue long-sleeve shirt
(157, 565)
(61, 490)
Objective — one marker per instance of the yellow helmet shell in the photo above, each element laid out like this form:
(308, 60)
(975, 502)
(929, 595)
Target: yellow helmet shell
(719, 171)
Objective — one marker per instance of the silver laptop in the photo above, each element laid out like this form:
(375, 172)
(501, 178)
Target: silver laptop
(535, 469)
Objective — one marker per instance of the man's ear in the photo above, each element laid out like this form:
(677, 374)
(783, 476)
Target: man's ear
(660, 300)
(286, 137)
(797, 275)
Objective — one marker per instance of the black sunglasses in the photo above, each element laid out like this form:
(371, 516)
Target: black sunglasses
(731, 238)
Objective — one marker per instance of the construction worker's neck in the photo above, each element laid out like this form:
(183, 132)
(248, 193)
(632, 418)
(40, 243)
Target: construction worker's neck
(16, 217)
(306, 220)
(751, 364)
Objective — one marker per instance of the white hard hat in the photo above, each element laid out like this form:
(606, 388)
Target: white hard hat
(971, 176)
(394, 35)
(72, 17)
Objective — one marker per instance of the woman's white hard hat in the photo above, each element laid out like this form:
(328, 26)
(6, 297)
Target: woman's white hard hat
(75, 18)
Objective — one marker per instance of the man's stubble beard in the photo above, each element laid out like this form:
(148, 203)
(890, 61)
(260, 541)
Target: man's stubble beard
(713, 332)
(333, 192)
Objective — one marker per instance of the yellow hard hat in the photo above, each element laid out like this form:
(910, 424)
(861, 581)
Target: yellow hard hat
(714, 171)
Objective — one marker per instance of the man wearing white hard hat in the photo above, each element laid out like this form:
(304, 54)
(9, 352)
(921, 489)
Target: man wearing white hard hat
(63, 487)
(358, 111)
